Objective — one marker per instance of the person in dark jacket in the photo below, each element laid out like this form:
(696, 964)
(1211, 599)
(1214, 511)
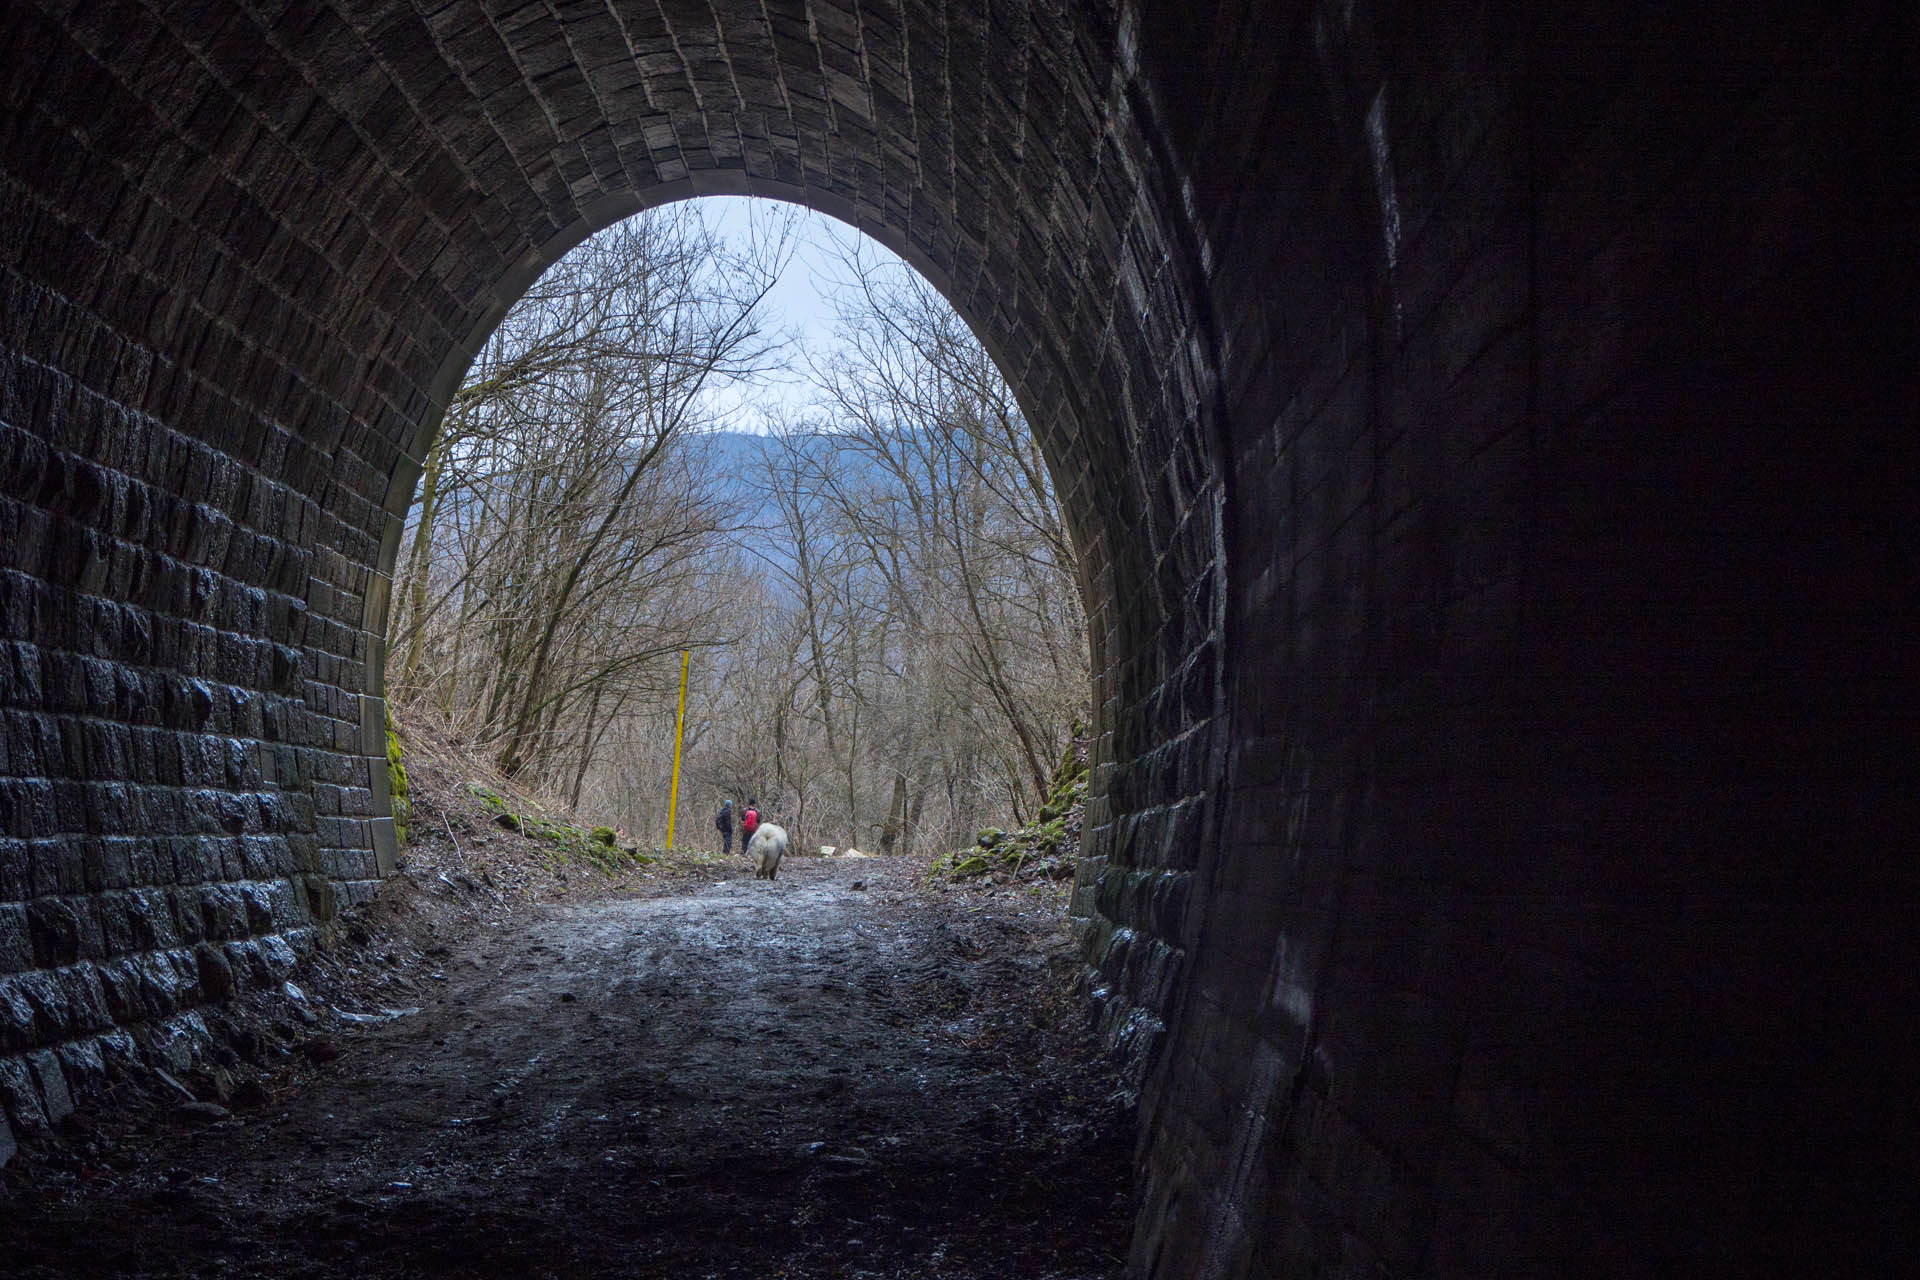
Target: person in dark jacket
(723, 823)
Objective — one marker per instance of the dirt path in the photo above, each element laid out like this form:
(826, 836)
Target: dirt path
(838, 1074)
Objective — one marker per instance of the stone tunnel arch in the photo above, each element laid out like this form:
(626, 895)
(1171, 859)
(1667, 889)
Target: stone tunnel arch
(1496, 468)
(252, 251)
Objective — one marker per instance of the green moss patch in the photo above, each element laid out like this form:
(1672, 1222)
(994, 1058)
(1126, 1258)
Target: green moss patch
(1045, 848)
(397, 781)
(564, 843)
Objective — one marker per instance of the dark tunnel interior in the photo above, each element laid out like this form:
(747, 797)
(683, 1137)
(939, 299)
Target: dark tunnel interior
(1488, 431)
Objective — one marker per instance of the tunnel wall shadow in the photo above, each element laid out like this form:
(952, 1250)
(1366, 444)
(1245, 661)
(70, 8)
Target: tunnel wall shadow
(1488, 436)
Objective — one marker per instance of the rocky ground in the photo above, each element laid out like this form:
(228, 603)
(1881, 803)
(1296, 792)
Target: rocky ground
(512, 1067)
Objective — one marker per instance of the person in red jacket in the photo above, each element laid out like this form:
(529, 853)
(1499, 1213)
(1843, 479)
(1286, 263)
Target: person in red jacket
(749, 819)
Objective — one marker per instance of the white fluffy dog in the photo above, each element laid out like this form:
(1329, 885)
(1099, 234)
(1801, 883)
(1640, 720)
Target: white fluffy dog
(768, 846)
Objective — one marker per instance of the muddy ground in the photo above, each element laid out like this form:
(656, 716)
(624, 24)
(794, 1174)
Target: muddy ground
(843, 1073)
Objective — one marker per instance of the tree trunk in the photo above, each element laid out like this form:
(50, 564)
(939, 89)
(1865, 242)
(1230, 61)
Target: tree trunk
(419, 557)
(450, 685)
(896, 815)
(587, 739)
(535, 682)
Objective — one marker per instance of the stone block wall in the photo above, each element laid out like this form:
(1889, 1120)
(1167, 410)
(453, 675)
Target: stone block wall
(157, 838)
(1552, 923)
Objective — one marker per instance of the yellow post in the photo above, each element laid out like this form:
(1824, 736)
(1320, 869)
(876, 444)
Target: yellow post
(679, 725)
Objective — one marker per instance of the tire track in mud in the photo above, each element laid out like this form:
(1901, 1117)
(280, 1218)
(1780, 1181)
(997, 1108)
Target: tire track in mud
(746, 1079)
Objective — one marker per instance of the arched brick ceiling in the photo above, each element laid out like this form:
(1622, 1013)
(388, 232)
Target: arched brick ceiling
(335, 202)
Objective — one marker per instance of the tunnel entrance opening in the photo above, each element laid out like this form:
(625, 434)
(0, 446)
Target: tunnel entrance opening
(866, 563)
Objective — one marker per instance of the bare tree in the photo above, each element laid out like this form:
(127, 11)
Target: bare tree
(916, 393)
(882, 600)
(929, 643)
(557, 516)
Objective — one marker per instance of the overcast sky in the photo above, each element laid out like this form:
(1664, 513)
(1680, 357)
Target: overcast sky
(795, 303)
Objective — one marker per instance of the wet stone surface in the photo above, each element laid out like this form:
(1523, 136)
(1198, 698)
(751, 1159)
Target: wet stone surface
(734, 1078)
